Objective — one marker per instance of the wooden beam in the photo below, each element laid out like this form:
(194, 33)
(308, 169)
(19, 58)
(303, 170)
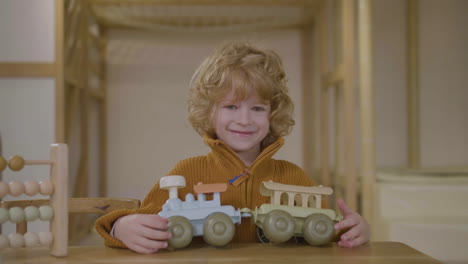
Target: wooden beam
(27, 70)
(97, 94)
(349, 98)
(338, 142)
(59, 200)
(103, 112)
(367, 109)
(95, 69)
(334, 77)
(70, 20)
(73, 95)
(414, 159)
(206, 2)
(59, 74)
(80, 223)
(308, 134)
(324, 98)
(96, 41)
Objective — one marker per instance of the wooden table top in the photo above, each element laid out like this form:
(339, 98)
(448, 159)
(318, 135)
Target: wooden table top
(374, 252)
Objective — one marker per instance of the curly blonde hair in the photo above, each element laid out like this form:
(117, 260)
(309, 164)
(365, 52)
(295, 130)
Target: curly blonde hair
(246, 69)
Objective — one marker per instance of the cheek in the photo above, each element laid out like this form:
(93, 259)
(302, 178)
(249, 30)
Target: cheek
(219, 119)
(264, 122)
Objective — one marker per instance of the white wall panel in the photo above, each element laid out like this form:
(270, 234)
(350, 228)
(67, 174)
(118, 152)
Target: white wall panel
(27, 30)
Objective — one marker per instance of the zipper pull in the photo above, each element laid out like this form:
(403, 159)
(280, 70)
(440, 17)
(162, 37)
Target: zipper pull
(239, 178)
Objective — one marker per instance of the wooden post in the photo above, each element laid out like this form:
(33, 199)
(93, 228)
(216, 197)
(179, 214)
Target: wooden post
(413, 86)
(367, 100)
(349, 103)
(59, 74)
(59, 200)
(81, 188)
(103, 123)
(324, 97)
(308, 135)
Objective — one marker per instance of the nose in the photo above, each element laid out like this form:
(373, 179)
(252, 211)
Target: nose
(244, 118)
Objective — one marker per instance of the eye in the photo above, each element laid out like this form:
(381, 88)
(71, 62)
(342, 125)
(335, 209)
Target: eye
(258, 109)
(232, 107)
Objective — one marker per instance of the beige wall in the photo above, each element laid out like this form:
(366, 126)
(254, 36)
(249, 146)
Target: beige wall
(443, 82)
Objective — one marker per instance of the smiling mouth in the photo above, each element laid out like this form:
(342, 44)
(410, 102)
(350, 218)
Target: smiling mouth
(242, 132)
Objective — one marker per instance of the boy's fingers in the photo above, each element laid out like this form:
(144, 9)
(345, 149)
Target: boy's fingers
(153, 245)
(350, 235)
(154, 234)
(349, 222)
(347, 243)
(343, 207)
(352, 243)
(141, 250)
(159, 245)
(356, 242)
(155, 222)
(149, 246)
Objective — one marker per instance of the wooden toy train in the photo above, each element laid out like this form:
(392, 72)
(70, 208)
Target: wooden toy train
(297, 214)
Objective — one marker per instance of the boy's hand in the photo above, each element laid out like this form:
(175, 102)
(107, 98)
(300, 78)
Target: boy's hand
(143, 233)
(359, 230)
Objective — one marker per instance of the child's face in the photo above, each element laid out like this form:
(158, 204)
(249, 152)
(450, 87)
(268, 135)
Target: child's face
(242, 125)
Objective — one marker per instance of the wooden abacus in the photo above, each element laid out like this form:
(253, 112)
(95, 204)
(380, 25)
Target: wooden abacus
(56, 212)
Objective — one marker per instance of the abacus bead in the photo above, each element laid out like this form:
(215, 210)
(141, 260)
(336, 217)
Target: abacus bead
(3, 215)
(45, 212)
(3, 163)
(16, 214)
(45, 238)
(46, 187)
(31, 213)
(31, 239)
(4, 242)
(16, 188)
(16, 240)
(4, 189)
(31, 188)
(16, 163)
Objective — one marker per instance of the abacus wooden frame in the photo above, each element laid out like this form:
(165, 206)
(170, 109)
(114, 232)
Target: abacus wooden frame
(58, 199)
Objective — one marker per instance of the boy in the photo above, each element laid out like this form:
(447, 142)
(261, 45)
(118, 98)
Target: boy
(239, 103)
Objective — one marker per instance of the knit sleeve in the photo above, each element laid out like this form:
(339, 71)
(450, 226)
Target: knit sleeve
(104, 223)
(152, 204)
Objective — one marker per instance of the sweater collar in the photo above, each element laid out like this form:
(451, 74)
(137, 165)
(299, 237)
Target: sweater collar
(226, 157)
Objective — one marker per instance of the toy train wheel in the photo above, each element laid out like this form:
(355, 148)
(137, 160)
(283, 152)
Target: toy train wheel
(218, 229)
(261, 236)
(182, 232)
(318, 229)
(278, 226)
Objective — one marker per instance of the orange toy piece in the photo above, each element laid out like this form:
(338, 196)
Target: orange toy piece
(209, 188)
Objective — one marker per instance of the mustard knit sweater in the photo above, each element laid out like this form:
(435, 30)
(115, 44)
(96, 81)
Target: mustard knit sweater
(219, 166)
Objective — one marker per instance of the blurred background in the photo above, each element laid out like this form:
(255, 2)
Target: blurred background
(380, 91)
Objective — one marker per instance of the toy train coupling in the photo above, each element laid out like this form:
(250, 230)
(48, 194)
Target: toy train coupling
(246, 212)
